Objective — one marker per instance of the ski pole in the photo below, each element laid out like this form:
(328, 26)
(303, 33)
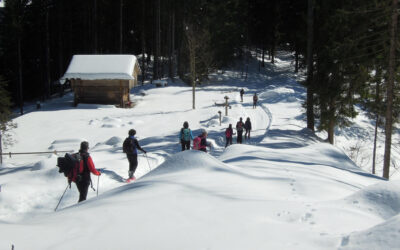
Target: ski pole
(61, 198)
(98, 179)
(148, 161)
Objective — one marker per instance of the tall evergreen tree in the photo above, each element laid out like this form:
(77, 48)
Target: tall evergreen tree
(390, 90)
(5, 118)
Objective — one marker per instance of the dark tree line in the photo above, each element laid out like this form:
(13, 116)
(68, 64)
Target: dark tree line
(342, 46)
(39, 37)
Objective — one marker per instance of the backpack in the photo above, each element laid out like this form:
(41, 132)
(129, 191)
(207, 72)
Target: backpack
(197, 142)
(228, 132)
(68, 163)
(185, 134)
(239, 126)
(127, 146)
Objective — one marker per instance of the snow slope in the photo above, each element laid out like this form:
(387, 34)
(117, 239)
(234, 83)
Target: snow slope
(284, 188)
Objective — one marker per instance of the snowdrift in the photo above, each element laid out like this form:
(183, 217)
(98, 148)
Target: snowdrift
(283, 189)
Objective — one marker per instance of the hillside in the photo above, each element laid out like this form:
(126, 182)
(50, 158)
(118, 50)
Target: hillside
(284, 188)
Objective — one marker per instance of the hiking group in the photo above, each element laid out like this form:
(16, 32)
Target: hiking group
(255, 98)
(199, 143)
(78, 166)
(240, 127)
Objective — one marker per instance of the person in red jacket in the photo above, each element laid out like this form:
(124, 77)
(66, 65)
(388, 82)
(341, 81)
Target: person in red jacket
(228, 135)
(81, 173)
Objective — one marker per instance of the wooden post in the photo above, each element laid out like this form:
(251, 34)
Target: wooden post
(1, 147)
(121, 91)
(226, 105)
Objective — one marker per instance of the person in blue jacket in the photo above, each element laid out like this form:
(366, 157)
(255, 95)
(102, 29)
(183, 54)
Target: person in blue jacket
(185, 136)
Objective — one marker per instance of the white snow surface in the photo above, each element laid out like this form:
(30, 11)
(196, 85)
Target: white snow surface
(95, 67)
(285, 188)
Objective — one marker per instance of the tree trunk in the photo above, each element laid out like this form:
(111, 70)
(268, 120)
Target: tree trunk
(193, 69)
(47, 57)
(120, 26)
(172, 45)
(94, 26)
(191, 40)
(1, 147)
(60, 40)
(331, 131)
(20, 81)
(375, 139)
(156, 65)
(143, 40)
(193, 73)
(296, 58)
(273, 51)
(389, 97)
(310, 95)
(263, 56)
(377, 120)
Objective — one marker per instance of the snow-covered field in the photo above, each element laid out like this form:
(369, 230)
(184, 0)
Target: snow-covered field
(283, 189)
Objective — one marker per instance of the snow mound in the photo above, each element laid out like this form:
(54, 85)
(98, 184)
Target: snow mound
(382, 198)
(65, 144)
(112, 120)
(190, 159)
(228, 120)
(43, 164)
(278, 95)
(213, 123)
(382, 236)
(114, 141)
(64, 141)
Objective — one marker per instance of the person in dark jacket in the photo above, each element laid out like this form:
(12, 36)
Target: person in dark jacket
(81, 174)
(131, 154)
(255, 99)
(239, 129)
(247, 127)
(185, 136)
(241, 95)
(228, 135)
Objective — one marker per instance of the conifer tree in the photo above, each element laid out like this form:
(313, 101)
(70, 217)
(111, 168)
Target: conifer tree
(5, 118)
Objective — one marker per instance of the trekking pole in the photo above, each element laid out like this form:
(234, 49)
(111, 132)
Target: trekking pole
(148, 161)
(61, 197)
(98, 180)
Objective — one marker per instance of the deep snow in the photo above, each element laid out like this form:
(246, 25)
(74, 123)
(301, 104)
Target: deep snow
(285, 188)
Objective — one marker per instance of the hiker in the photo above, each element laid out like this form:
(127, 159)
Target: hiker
(247, 127)
(81, 174)
(201, 143)
(241, 95)
(130, 147)
(239, 129)
(185, 136)
(228, 135)
(255, 99)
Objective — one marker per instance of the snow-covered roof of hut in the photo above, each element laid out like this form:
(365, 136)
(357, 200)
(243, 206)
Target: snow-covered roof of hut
(95, 67)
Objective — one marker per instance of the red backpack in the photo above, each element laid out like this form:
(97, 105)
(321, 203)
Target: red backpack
(228, 132)
(197, 143)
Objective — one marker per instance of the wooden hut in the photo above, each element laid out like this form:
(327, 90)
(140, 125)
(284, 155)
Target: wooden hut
(102, 79)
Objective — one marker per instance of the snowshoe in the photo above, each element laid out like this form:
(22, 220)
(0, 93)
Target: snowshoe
(129, 180)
